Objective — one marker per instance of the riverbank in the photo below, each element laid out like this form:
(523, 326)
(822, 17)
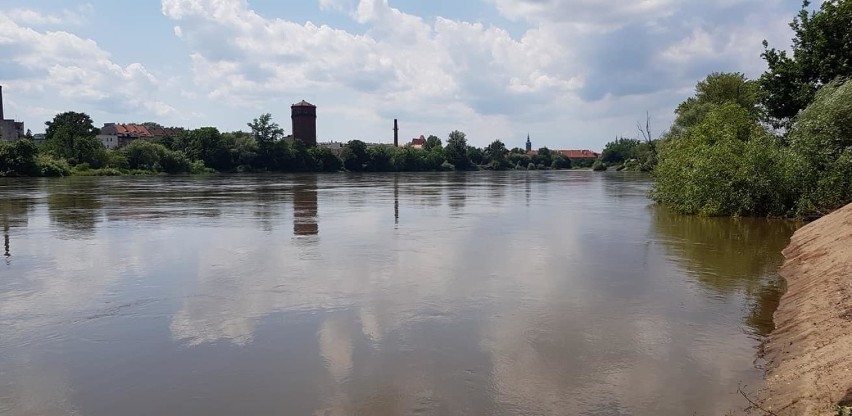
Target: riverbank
(810, 350)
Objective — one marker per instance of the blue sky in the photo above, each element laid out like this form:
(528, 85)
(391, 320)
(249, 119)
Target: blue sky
(571, 73)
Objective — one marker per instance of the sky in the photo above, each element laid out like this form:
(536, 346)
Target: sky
(573, 74)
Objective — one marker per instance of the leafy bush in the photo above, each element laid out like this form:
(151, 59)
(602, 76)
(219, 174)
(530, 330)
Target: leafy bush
(599, 166)
(326, 160)
(560, 162)
(117, 159)
(821, 146)
(725, 165)
(47, 165)
(145, 155)
(18, 158)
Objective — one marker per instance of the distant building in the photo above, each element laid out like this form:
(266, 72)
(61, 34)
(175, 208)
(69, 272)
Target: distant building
(39, 138)
(10, 130)
(335, 147)
(304, 115)
(568, 154)
(578, 154)
(419, 142)
(114, 135)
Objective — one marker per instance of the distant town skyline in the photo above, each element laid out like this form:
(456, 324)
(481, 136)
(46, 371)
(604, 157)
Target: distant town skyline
(571, 73)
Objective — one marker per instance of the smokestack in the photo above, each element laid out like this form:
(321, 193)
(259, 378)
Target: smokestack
(1, 103)
(395, 133)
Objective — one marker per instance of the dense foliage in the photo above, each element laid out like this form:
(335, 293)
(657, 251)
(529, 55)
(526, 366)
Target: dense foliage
(628, 154)
(820, 146)
(721, 158)
(71, 147)
(822, 52)
(728, 163)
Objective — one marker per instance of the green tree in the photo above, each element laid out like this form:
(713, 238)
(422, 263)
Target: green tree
(495, 155)
(302, 160)
(725, 165)
(282, 158)
(354, 155)
(432, 142)
(822, 52)
(475, 155)
(379, 159)
(326, 160)
(456, 150)
(244, 153)
(18, 158)
(266, 132)
(718, 88)
(71, 136)
(76, 125)
(519, 160)
(408, 159)
(821, 147)
(543, 158)
(560, 162)
(146, 155)
(433, 159)
(619, 150)
(207, 145)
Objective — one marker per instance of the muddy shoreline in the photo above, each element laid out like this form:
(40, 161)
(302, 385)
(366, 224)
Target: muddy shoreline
(810, 351)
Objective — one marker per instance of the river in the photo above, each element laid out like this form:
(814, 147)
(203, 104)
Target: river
(516, 293)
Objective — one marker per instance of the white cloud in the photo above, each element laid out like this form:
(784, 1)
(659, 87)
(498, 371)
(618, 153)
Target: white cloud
(61, 63)
(591, 15)
(367, 62)
(78, 16)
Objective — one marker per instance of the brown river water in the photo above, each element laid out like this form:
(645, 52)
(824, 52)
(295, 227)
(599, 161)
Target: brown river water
(517, 293)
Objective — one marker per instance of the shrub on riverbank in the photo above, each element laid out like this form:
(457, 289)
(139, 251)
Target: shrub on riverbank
(18, 158)
(50, 166)
(720, 158)
(821, 146)
(728, 163)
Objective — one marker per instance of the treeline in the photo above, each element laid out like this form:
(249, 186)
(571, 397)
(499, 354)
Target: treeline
(71, 147)
(778, 146)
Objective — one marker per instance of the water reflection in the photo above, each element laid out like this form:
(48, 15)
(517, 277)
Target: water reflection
(75, 209)
(728, 256)
(396, 200)
(500, 293)
(14, 213)
(305, 221)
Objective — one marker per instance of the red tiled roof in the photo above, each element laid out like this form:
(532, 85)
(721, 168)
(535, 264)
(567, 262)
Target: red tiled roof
(570, 154)
(138, 130)
(578, 154)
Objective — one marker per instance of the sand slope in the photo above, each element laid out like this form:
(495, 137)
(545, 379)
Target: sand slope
(810, 351)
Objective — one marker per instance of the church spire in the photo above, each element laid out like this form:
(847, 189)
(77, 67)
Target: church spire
(529, 143)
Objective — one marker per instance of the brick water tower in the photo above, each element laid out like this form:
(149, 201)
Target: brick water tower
(304, 115)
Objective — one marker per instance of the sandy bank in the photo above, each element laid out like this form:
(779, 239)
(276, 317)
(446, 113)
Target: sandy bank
(810, 351)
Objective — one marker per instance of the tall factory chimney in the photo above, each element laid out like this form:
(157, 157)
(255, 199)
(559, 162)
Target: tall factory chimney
(395, 133)
(1, 103)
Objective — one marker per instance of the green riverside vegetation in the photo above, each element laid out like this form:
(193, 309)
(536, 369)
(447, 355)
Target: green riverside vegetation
(779, 146)
(71, 148)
